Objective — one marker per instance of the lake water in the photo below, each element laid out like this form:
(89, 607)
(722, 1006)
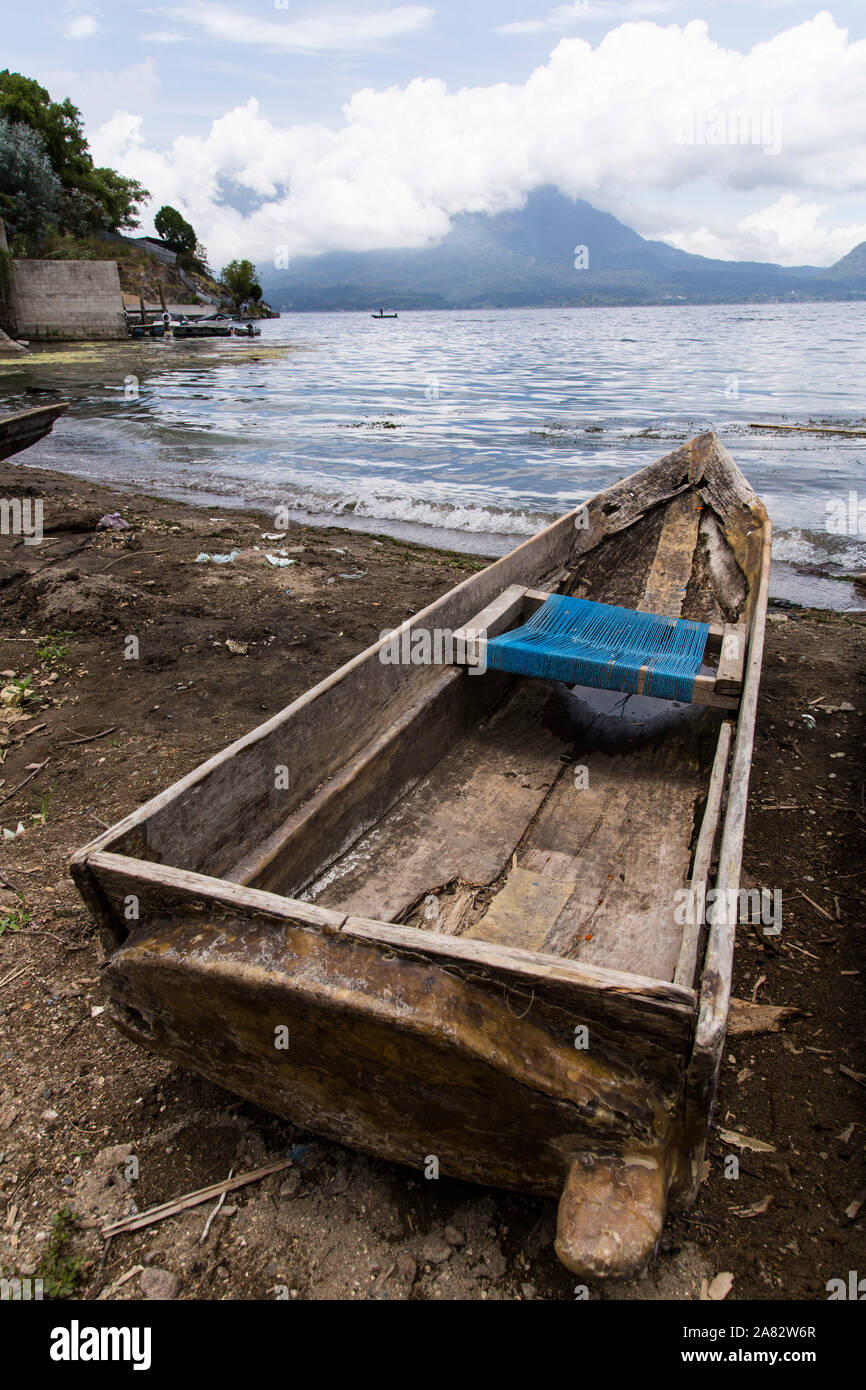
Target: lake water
(472, 429)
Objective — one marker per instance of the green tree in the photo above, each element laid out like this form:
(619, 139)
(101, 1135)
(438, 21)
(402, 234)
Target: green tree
(119, 197)
(92, 198)
(31, 196)
(199, 261)
(239, 278)
(59, 125)
(175, 231)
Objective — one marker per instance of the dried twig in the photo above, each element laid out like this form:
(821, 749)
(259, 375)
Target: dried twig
(14, 976)
(37, 728)
(816, 906)
(91, 738)
(192, 1199)
(792, 946)
(35, 773)
(97, 1284)
(209, 1222)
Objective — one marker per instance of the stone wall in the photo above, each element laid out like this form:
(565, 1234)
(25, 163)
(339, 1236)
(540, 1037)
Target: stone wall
(67, 300)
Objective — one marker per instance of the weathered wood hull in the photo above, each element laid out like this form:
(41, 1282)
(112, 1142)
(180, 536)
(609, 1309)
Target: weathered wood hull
(280, 940)
(18, 432)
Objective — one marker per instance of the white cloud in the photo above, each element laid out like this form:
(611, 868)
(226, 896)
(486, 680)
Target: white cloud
(787, 232)
(163, 36)
(598, 123)
(317, 34)
(82, 26)
(564, 17)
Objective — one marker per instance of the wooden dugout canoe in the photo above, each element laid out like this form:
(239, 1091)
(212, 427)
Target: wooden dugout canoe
(462, 907)
(18, 432)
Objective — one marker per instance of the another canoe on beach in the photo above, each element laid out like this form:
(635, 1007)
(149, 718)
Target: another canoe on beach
(18, 432)
(442, 912)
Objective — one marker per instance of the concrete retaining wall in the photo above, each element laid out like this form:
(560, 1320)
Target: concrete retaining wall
(67, 300)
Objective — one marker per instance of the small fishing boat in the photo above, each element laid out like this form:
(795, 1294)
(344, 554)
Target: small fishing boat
(210, 326)
(382, 315)
(448, 906)
(18, 432)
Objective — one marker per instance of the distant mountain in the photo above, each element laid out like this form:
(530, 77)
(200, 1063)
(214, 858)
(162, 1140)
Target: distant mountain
(851, 269)
(529, 258)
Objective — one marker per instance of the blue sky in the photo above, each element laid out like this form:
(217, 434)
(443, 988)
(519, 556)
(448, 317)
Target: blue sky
(275, 125)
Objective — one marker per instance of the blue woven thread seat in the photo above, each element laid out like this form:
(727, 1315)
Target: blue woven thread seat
(585, 643)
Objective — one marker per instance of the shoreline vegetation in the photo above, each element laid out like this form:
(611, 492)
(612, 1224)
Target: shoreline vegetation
(55, 204)
(87, 735)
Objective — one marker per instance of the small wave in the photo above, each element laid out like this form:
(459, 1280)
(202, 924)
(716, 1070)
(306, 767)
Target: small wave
(804, 547)
(439, 515)
(372, 503)
(451, 516)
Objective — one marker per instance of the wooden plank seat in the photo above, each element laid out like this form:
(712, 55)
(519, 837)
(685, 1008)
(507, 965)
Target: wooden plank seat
(550, 636)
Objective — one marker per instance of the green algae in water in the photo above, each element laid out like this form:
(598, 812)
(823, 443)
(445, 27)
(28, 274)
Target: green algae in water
(155, 353)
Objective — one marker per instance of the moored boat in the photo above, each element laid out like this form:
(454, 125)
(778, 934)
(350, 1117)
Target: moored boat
(19, 431)
(208, 326)
(443, 905)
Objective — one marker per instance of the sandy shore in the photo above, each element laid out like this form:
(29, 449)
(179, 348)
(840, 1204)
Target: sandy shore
(222, 647)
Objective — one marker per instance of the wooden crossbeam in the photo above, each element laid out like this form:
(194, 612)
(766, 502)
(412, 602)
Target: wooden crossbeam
(504, 612)
(729, 676)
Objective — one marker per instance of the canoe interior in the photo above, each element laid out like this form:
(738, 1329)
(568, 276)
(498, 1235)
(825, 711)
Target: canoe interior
(490, 808)
(550, 827)
(560, 820)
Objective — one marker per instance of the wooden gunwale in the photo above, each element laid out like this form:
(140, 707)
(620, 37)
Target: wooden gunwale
(527, 967)
(714, 985)
(720, 947)
(685, 971)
